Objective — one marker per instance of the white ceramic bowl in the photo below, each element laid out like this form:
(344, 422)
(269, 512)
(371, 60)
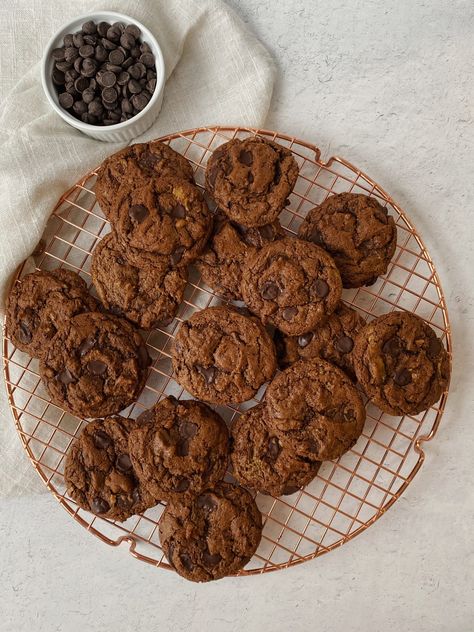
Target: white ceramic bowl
(121, 132)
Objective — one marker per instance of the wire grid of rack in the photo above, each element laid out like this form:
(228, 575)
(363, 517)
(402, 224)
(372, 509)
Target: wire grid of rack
(349, 494)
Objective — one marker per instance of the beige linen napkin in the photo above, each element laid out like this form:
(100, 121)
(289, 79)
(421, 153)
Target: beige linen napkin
(218, 73)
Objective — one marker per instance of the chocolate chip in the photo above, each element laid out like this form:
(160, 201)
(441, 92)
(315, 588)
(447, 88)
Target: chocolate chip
(133, 30)
(143, 357)
(186, 561)
(434, 347)
(206, 502)
(151, 85)
(97, 367)
(25, 336)
(89, 27)
(140, 101)
(123, 78)
(71, 75)
(89, 67)
(269, 291)
(182, 485)
(211, 559)
(147, 59)
(126, 106)
(208, 373)
(109, 95)
(114, 33)
(58, 77)
(86, 51)
(88, 95)
(68, 41)
(305, 339)
(102, 28)
(108, 80)
(138, 213)
(321, 288)
(344, 344)
(65, 377)
(58, 54)
(273, 448)
(246, 158)
(100, 53)
(392, 345)
(127, 40)
(116, 57)
(65, 100)
(80, 107)
(101, 440)
(137, 71)
(81, 84)
(176, 255)
(289, 313)
(108, 45)
(134, 87)
(178, 211)
(123, 463)
(96, 108)
(402, 377)
(99, 505)
(71, 54)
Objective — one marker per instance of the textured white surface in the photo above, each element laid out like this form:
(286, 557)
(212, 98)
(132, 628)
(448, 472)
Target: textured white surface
(390, 86)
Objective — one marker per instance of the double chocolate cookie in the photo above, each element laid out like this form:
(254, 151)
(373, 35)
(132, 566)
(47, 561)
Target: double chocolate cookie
(251, 179)
(292, 284)
(40, 304)
(401, 363)
(147, 295)
(99, 473)
(95, 365)
(182, 448)
(332, 341)
(221, 263)
(265, 459)
(222, 356)
(165, 217)
(134, 166)
(357, 231)
(211, 535)
(319, 407)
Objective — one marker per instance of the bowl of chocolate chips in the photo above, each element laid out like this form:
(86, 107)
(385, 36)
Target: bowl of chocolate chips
(104, 74)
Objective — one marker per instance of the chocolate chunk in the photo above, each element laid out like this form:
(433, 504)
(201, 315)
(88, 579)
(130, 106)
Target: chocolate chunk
(344, 344)
(269, 291)
(402, 377)
(138, 213)
(305, 339)
(65, 100)
(321, 288)
(97, 367)
(123, 463)
(206, 502)
(208, 373)
(65, 377)
(211, 559)
(392, 346)
(289, 313)
(177, 255)
(101, 440)
(25, 334)
(246, 158)
(434, 347)
(273, 448)
(99, 505)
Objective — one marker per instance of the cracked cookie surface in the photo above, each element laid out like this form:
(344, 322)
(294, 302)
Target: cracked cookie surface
(401, 363)
(99, 474)
(181, 449)
(40, 304)
(251, 179)
(292, 284)
(96, 365)
(222, 356)
(357, 231)
(211, 535)
(316, 404)
(146, 294)
(266, 459)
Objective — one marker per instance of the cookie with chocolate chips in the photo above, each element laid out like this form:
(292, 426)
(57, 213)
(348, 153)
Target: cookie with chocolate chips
(292, 284)
(265, 459)
(99, 474)
(222, 356)
(147, 295)
(137, 164)
(182, 448)
(211, 535)
(40, 303)
(332, 341)
(316, 405)
(165, 217)
(357, 231)
(401, 363)
(251, 179)
(220, 265)
(96, 365)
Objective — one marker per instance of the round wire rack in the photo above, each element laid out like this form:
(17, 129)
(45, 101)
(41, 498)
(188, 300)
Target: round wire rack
(349, 494)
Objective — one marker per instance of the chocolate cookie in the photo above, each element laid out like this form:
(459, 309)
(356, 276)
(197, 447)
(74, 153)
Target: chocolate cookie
(251, 179)
(401, 364)
(40, 304)
(212, 535)
(266, 459)
(332, 341)
(318, 406)
(292, 284)
(163, 217)
(222, 356)
(221, 263)
(144, 293)
(183, 448)
(99, 473)
(137, 164)
(357, 231)
(95, 365)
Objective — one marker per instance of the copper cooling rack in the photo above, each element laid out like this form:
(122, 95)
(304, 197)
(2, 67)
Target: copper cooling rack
(349, 494)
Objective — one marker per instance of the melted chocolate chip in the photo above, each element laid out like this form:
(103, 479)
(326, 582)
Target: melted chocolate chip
(86, 346)
(146, 417)
(290, 489)
(182, 485)
(344, 344)
(267, 232)
(391, 346)
(321, 288)
(402, 377)
(182, 449)
(99, 505)
(124, 501)
(289, 313)
(143, 357)
(316, 237)
(176, 255)
(273, 448)
(138, 212)
(148, 160)
(120, 260)
(187, 429)
(246, 158)
(382, 217)
(250, 177)
(206, 502)
(115, 309)
(269, 291)
(97, 367)
(305, 339)
(65, 377)
(211, 559)
(208, 373)
(277, 176)
(186, 561)
(24, 334)
(136, 496)
(123, 463)
(101, 440)
(434, 347)
(212, 175)
(178, 211)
